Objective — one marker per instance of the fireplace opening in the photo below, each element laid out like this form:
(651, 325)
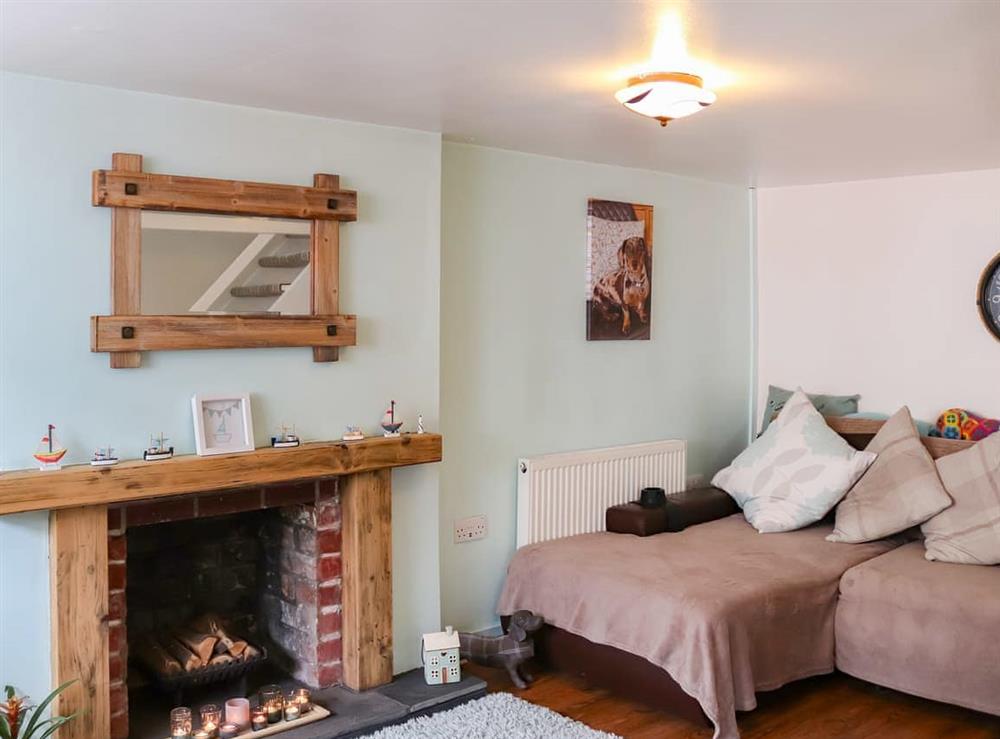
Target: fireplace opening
(197, 593)
(213, 596)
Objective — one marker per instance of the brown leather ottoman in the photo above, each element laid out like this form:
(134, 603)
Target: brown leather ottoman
(632, 518)
(680, 511)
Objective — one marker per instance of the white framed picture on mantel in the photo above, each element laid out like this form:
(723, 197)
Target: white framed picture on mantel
(223, 424)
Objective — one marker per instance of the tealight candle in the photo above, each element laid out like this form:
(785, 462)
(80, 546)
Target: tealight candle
(291, 712)
(180, 723)
(238, 712)
(259, 719)
(211, 717)
(228, 731)
(272, 700)
(201, 734)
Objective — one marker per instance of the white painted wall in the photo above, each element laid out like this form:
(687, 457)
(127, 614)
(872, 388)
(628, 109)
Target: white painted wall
(869, 287)
(54, 257)
(178, 267)
(518, 376)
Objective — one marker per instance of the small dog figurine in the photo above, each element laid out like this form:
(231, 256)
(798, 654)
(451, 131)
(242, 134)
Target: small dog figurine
(627, 288)
(510, 651)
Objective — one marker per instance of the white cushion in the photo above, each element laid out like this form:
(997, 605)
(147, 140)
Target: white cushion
(795, 473)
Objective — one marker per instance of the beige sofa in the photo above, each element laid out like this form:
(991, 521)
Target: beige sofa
(927, 628)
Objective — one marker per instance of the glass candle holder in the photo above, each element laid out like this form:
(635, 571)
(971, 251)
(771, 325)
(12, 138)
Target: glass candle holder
(291, 712)
(272, 700)
(201, 734)
(211, 717)
(302, 698)
(181, 723)
(229, 731)
(258, 719)
(238, 712)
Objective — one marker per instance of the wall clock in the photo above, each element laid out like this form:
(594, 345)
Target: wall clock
(988, 297)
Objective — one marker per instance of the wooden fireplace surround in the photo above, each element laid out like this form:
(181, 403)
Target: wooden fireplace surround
(78, 497)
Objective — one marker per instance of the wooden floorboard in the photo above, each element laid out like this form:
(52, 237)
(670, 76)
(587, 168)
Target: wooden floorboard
(826, 707)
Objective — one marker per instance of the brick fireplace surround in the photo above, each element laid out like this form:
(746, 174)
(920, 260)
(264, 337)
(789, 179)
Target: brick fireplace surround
(300, 592)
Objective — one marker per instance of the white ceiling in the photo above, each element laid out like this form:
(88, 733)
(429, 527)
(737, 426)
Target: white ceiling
(822, 91)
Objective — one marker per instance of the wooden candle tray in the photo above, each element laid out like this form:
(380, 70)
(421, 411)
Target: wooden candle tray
(318, 713)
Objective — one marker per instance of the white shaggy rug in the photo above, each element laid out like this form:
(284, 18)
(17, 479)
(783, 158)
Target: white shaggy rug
(497, 716)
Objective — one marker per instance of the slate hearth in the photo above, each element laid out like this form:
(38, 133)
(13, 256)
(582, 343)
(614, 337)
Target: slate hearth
(356, 714)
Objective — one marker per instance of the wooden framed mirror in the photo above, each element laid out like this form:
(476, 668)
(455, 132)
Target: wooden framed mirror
(230, 264)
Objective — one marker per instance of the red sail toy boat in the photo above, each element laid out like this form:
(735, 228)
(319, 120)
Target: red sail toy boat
(390, 425)
(49, 452)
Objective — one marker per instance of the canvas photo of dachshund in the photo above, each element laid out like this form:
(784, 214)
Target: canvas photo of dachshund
(619, 270)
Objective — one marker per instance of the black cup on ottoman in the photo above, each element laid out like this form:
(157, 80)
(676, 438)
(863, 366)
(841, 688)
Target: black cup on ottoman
(652, 498)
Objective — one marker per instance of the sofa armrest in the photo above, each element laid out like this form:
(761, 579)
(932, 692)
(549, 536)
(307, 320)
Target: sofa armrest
(692, 507)
(681, 510)
(632, 518)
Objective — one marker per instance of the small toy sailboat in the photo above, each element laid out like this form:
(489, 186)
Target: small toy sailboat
(49, 452)
(158, 449)
(284, 439)
(353, 433)
(104, 457)
(390, 425)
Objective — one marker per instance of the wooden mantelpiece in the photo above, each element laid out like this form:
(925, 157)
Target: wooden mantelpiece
(79, 497)
(81, 485)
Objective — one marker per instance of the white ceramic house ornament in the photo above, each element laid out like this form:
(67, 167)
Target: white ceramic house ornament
(439, 652)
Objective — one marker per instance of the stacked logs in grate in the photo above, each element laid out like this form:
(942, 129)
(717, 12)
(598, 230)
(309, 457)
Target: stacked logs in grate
(205, 642)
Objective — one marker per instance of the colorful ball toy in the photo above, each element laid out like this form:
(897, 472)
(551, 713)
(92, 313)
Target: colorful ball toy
(956, 423)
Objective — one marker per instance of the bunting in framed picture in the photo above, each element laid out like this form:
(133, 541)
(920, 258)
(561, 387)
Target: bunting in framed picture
(223, 424)
(619, 270)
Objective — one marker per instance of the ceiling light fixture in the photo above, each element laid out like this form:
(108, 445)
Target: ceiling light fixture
(667, 88)
(665, 95)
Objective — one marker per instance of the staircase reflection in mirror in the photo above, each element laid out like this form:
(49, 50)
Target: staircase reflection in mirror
(215, 264)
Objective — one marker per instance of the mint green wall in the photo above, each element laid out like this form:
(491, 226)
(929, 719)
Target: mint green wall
(517, 375)
(54, 256)
(492, 309)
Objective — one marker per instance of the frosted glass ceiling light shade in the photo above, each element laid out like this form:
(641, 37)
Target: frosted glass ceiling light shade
(665, 95)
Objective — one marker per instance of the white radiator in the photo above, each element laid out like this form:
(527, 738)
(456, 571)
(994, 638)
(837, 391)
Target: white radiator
(565, 494)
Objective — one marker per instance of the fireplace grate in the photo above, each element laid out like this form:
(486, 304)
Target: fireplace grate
(207, 675)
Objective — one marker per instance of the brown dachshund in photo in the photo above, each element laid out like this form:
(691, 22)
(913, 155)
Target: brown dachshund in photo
(627, 288)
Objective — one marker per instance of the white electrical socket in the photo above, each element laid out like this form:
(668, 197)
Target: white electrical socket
(695, 481)
(470, 529)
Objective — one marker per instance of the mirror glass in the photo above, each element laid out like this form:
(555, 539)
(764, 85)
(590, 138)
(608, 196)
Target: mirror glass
(208, 264)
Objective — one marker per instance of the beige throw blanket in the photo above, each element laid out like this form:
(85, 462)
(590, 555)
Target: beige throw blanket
(724, 610)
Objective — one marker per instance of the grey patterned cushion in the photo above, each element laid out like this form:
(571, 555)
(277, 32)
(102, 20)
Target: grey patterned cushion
(969, 531)
(901, 489)
(828, 405)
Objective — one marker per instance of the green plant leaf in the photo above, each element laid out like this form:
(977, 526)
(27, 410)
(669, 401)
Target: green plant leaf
(5, 732)
(40, 709)
(9, 690)
(57, 723)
